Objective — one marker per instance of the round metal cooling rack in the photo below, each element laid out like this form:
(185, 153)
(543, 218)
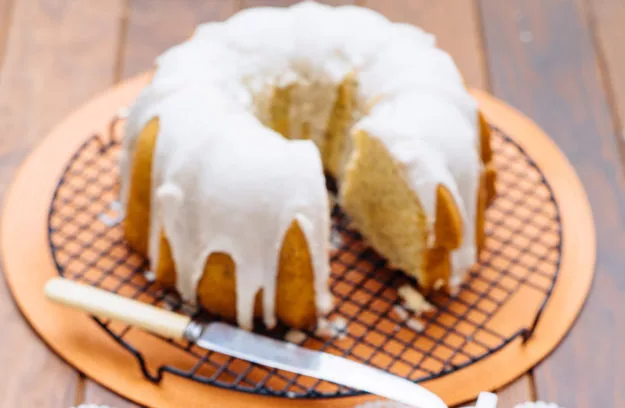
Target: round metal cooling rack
(522, 253)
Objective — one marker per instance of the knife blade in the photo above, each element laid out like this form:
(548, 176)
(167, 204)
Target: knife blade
(239, 343)
(263, 350)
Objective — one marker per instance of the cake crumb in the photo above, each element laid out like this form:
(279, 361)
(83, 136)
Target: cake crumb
(335, 328)
(414, 300)
(323, 328)
(150, 276)
(415, 324)
(401, 313)
(295, 336)
(412, 323)
(339, 323)
(109, 221)
(113, 215)
(336, 240)
(438, 285)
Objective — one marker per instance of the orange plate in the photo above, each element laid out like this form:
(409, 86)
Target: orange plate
(84, 345)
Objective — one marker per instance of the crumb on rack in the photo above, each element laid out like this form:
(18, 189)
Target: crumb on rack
(339, 323)
(295, 336)
(113, 215)
(335, 328)
(415, 324)
(108, 221)
(414, 300)
(404, 318)
(323, 328)
(438, 284)
(336, 240)
(150, 276)
(401, 313)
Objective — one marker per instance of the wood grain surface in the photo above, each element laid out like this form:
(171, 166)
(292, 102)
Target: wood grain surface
(455, 24)
(5, 22)
(559, 61)
(155, 25)
(517, 392)
(283, 3)
(57, 55)
(606, 19)
(96, 394)
(542, 60)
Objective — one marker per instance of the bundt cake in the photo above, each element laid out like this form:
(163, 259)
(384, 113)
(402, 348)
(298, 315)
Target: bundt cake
(224, 155)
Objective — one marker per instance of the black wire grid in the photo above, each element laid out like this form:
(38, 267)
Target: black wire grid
(521, 258)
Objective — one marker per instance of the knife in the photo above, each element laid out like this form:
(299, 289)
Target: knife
(235, 342)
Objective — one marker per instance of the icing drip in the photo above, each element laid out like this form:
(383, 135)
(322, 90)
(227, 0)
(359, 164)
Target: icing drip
(203, 200)
(224, 182)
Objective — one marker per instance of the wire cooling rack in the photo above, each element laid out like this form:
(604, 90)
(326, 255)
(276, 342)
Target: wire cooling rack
(520, 262)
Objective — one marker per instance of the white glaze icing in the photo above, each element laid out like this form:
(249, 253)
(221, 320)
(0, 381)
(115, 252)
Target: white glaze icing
(224, 182)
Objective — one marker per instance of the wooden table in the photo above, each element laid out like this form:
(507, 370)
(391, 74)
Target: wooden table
(562, 62)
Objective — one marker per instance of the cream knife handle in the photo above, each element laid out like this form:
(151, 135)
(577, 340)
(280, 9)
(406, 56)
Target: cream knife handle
(101, 303)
